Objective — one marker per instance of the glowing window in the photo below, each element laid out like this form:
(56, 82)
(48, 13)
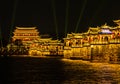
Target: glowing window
(105, 31)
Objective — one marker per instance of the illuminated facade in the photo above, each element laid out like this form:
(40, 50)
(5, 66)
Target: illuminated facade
(26, 34)
(38, 45)
(99, 43)
(46, 46)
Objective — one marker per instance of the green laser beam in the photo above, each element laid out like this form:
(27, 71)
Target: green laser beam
(81, 13)
(55, 19)
(66, 20)
(98, 10)
(1, 36)
(13, 18)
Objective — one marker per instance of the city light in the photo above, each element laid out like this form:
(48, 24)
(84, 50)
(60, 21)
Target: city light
(107, 31)
(97, 44)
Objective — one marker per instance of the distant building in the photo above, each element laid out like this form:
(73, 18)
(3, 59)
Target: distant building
(99, 43)
(46, 46)
(38, 45)
(26, 34)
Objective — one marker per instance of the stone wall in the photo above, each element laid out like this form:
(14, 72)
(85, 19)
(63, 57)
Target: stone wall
(100, 53)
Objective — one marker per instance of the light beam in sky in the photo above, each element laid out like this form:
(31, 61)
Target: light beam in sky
(13, 18)
(1, 37)
(81, 13)
(97, 11)
(55, 19)
(66, 19)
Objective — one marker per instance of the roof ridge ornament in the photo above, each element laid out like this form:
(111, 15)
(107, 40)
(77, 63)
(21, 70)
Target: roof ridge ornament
(105, 26)
(117, 22)
(26, 27)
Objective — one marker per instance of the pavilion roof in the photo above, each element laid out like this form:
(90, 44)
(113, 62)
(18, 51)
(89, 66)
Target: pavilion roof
(25, 30)
(105, 26)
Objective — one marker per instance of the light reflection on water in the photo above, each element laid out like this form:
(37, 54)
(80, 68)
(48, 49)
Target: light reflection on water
(94, 73)
(58, 71)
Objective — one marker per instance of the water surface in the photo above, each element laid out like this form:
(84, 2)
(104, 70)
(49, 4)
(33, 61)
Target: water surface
(22, 70)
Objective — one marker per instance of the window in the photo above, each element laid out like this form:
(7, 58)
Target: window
(106, 38)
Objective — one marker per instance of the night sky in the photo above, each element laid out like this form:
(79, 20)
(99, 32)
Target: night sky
(47, 15)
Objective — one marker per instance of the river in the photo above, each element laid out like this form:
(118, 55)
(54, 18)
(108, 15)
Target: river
(30, 70)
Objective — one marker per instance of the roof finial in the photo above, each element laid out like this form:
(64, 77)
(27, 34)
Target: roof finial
(117, 22)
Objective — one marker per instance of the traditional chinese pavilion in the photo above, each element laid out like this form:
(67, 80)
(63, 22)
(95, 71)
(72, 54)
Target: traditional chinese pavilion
(98, 43)
(26, 34)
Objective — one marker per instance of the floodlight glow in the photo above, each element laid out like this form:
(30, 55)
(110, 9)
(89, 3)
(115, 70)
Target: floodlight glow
(13, 18)
(107, 31)
(66, 19)
(80, 16)
(55, 18)
(1, 37)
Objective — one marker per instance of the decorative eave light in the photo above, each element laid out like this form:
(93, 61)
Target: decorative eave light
(117, 22)
(105, 31)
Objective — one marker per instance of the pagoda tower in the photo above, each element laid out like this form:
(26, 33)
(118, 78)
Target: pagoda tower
(26, 34)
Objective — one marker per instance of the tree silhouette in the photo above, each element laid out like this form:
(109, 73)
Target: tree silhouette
(18, 42)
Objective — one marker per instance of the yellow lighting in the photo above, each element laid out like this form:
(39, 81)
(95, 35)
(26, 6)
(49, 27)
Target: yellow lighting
(91, 46)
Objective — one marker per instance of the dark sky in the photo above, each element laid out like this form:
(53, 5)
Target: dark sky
(41, 13)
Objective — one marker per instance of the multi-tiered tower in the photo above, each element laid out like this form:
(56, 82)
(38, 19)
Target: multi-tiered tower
(26, 34)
